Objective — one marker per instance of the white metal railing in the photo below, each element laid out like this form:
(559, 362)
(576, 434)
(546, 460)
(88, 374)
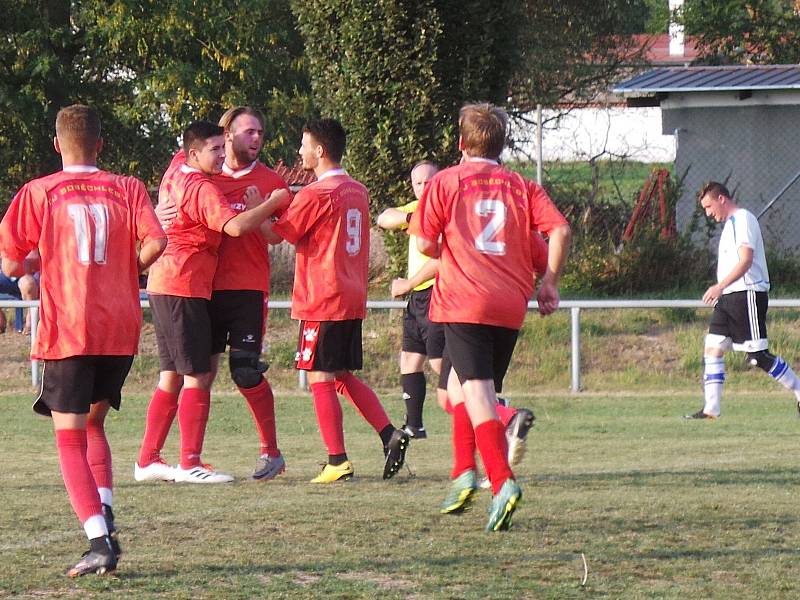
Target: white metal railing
(574, 306)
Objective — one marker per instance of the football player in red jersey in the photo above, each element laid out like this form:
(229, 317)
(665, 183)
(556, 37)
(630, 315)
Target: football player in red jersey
(179, 286)
(87, 224)
(240, 291)
(328, 223)
(478, 218)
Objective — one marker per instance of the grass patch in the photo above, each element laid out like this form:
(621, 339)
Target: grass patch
(660, 508)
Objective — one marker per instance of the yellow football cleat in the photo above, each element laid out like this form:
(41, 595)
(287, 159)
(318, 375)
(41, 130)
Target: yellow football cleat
(331, 473)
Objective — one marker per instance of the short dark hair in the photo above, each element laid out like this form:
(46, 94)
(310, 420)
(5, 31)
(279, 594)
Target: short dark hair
(78, 127)
(714, 188)
(196, 134)
(329, 134)
(483, 129)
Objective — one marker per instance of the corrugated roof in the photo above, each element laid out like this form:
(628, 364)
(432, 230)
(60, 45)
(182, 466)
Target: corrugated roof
(713, 79)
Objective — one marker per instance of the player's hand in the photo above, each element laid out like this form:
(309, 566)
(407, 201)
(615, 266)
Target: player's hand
(548, 298)
(400, 287)
(166, 212)
(281, 197)
(252, 197)
(712, 294)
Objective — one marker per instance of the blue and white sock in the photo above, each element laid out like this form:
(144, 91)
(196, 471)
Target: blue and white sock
(713, 380)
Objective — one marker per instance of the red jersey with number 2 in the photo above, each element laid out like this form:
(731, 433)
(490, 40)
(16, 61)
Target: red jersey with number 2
(328, 222)
(486, 216)
(86, 226)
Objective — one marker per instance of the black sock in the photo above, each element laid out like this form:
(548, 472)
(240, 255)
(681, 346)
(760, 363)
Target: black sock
(386, 434)
(336, 459)
(414, 388)
(100, 544)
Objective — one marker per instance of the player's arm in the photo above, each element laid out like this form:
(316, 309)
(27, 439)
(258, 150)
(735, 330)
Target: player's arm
(428, 248)
(393, 218)
(401, 287)
(13, 268)
(252, 218)
(745, 254)
(149, 252)
(558, 249)
(269, 234)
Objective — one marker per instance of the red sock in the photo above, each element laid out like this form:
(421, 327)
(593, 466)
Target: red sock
(329, 416)
(160, 414)
(193, 417)
(448, 407)
(463, 441)
(364, 399)
(262, 407)
(506, 413)
(98, 454)
(491, 439)
(80, 484)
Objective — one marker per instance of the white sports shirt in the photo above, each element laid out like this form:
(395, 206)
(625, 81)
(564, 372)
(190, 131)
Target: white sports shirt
(742, 229)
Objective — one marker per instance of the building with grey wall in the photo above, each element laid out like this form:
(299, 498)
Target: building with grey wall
(738, 124)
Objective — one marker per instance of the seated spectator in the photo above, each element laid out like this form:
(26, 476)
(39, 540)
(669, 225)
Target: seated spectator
(25, 287)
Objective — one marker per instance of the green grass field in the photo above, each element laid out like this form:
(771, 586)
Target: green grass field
(658, 506)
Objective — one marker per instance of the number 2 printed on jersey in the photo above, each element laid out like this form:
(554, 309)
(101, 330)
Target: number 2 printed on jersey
(486, 242)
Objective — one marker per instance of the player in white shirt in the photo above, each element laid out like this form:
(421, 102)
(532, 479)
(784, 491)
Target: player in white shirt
(740, 300)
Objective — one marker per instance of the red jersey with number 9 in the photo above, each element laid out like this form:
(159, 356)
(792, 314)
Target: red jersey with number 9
(328, 222)
(486, 216)
(86, 225)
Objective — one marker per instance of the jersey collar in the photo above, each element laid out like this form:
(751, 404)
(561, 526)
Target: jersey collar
(80, 169)
(482, 160)
(331, 173)
(241, 172)
(187, 169)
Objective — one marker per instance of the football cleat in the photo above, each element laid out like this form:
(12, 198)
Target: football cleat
(516, 433)
(95, 561)
(201, 474)
(503, 506)
(395, 453)
(699, 415)
(331, 473)
(155, 471)
(798, 407)
(417, 433)
(268, 467)
(461, 495)
(113, 535)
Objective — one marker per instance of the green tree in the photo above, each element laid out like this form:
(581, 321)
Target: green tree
(745, 31)
(149, 67)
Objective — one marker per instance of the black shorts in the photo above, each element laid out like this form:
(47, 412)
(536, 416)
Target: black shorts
(329, 346)
(420, 334)
(72, 385)
(742, 316)
(183, 333)
(444, 375)
(237, 320)
(479, 351)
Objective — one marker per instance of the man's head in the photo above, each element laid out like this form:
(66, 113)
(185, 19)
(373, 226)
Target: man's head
(78, 132)
(716, 201)
(204, 146)
(483, 129)
(244, 134)
(323, 140)
(421, 173)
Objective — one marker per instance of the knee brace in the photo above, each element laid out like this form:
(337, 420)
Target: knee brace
(761, 359)
(246, 368)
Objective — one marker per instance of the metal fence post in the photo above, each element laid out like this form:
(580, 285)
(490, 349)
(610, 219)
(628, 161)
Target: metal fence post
(34, 327)
(575, 313)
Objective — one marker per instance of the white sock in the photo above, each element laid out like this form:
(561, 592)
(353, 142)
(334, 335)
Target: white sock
(95, 527)
(106, 496)
(713, 380)
(783, 374)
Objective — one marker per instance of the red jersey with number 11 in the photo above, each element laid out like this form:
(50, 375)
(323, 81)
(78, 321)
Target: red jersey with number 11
(86, 225)
(486, 216)
(328, 222)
